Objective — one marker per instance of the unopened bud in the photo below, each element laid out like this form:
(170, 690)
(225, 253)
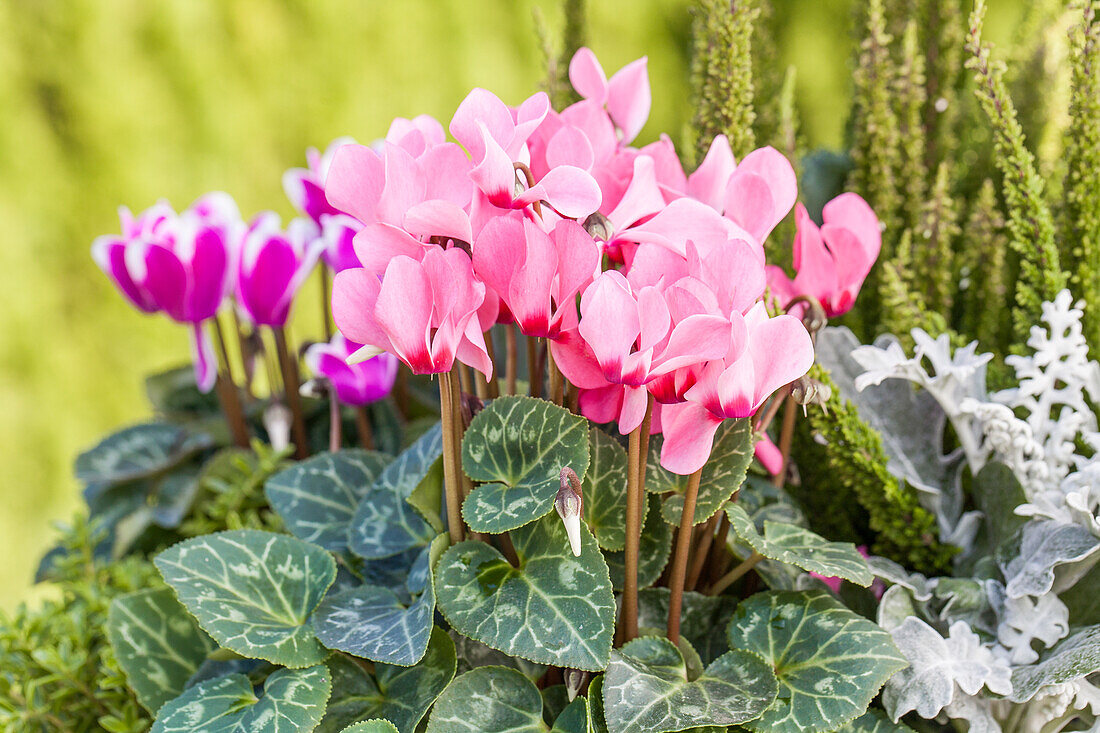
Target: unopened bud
(277, 419)
(574, 681)
(598, 227)
(813, 315)
(316, 388)
(569, 504)
(808, 391)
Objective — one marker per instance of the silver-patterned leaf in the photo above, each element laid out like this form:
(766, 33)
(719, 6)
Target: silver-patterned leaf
(158, 645)
(317, 498)
(724, 473)
(647, 689)
(796, 545)
(653, 550)
(401, 695)
(873, 721)
(1074, 657)
(137, 452)
(371, 726)
(293, 701)
(488, 700)
(829, 661)
(604, 490)
(385, 523)
(518, 446)
(253, 591)
(1044, 548)
(703, 619)
(576, 718)
(553, 609)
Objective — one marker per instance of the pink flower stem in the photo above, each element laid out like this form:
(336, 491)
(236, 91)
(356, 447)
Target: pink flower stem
(248, 353)
(492, 386)
(732, 576)
(702, 551)
(557, 384)
(227, 391)
(635, 507)
(362, 424)
(335, 425)
(451, 487)
(766, 417)
(534, 374)
(719, 553)
(786, 436)
(680, 559)
(326, 299)
(291, 384)
(510, 359)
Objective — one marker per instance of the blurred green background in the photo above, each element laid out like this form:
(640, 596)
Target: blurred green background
(109, 102)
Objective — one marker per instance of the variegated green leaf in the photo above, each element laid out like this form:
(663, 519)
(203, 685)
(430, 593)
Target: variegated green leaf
(488, 700)
(293, 701)
(158, 645)
(653, 551)
(371, 726)
(830, 662)
(703, 619)
(796, 545)
(317, 498)
(385, 523)
(873, 721)
(724, 473)
(518, 446)
(1074, 657)
(137, 452)
(574, 719)
(553, 609)
(647, 689)
(253, 591)
(604, 490)
(401, 695)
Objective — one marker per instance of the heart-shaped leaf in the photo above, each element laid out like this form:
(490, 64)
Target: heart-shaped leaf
(253, 591)
(873, 721)
(646, 689)
(1072, 658)
(488, 700)
(385, 524)
(723, 474)
(293, 701)
(519, 446)
(372, 726)
(604, 490)
(553, 609)
(829, 661)
(799, 546)
(1045, 546)
(371, 622)
(157, 644)
(703, 619)
(317, 498)
(401, 695)
(653, 551)
(574, 719)
(137, 452)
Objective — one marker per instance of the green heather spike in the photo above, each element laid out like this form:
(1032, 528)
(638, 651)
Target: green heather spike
(910, 99)
(846, 488)
(903, 305)
(944, 27)
(573, 37)
(982, 267)
(1030, 224)
(722, 74)
(767, 75)
(934, 254)
(788, 139)
(1080, 230)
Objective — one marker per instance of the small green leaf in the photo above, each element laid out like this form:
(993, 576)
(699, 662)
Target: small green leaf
(703, 619)
(604, 490)
(653, 551)
(829, 661)
(293, 701)
(317, 498)
(799, 546)
(157, 644)
(371, 622)
(371, 726)
(385, 523)
(137, 452)
(998, 492)
(253, 591)
(647, 689)
(723, 474)
(553, 609)
(1074, 657)
(574, 719)
(488, 700)
(401, 695)
(519, 445)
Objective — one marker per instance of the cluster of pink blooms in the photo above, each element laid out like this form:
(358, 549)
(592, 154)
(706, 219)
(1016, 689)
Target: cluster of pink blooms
(647, 283)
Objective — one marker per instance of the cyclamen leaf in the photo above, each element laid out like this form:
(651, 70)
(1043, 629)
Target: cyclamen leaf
(703, 619)
(385, 524)
(372, 622)
(646, 689)
(604, 490)
(1074, 657)
(401, 695)
(158, 645)
(293, 701)
(253, 591)
(829, 661)
(796, 545)
(574, 719)
(519, 445)
(653, 551)
(873, 721)
(1044, 547)
(137, 452)
(371, 726)
(488, 700)
(724, 473)
(317, 498)
(553, 609)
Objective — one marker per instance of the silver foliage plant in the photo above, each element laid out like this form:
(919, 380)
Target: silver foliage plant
(1010, 643)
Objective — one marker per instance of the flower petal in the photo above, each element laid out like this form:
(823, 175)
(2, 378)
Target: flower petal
(629, 98)
(689, 436)
(355, 181)
(587, 76)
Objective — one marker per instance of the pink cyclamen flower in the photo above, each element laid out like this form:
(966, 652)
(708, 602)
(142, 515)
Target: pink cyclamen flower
(425, 311)
(272, 265)
(338, 234)
(176, 264)
(305, 187)
(777, 351)
(355, 384)
(831, 262)
(626, 96)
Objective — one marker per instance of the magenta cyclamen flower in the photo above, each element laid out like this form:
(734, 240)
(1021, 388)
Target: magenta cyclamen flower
(355, 384)
(305, 187)
(831, 262)
(176, 264)
(272, 265)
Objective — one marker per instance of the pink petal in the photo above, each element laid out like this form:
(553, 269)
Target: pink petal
(769, 455)
(529, 292)
(694, 340)
(654, 316)
(377, 244)
(109, 253)
(632, 412)
(689, 436)
(781, 352)
(570, 146)
(708, 182)
(481, 107)
(682, 220)
(578, 257)
(610, 323)
(404, 312)
(404, 185)
(208, 273)
(587, 76)
(354, 296)
(355, 181)
(165, 278)
(471, 349)
(643, 197)
(576, 361)
(816, 267)
(629, 98)
(529, 115)
(761, 192)
(602, 405)
(571, 192)
(438, 218)
(498, 250)
(670, 172)
(446, 174)
(495, 174)
(203, 358)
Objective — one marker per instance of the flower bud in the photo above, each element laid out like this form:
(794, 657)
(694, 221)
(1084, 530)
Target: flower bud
(277, 419)
(808, 391)
(316, 388)
(598, 227)
(568, 504)
(574, 681)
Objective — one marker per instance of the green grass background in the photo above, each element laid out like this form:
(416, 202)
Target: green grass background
(108, 102)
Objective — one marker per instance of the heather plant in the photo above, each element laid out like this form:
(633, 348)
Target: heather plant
(596, 436)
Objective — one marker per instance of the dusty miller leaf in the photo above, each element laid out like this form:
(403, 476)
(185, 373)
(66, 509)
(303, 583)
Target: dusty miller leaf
(1074, 657)
(1044, 547)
